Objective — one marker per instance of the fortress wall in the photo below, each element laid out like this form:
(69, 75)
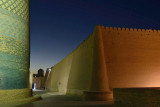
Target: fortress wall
(73, 73)
(48, 81)
(132, 57)
(58, 78)
(81, 69)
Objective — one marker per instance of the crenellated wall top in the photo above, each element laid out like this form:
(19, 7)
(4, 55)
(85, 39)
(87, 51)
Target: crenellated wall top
(129, 29)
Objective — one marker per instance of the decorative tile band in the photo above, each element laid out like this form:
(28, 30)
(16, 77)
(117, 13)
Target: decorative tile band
(14, 44)
(18, 7)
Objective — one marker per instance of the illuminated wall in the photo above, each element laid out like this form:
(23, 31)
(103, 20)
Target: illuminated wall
(73, 73)
(131, 58)
(14, 44)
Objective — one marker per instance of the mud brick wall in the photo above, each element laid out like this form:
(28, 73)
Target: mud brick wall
(136, 97)
(132, 57)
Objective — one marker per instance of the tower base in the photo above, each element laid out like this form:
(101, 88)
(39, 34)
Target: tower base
(98, 96)
(17, 96)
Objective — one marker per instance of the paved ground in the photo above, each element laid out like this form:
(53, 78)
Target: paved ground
(59, 100)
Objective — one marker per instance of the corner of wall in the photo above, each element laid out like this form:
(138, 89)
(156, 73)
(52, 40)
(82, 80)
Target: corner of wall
(99, 73)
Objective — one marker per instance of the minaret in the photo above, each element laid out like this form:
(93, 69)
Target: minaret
(14, 51)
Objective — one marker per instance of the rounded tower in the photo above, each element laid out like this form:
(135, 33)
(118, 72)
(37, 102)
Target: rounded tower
(14, 50)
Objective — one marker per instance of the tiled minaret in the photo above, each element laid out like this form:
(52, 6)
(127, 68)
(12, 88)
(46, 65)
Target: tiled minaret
(14, 51)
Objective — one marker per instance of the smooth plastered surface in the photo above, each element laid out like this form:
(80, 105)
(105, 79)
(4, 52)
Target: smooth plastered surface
(131, 58)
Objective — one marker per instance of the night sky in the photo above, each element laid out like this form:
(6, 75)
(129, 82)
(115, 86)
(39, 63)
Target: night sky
(57, 27)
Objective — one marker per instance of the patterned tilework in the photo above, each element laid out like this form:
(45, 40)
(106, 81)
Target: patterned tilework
(19, 7)
(12, 24)
(14, 44)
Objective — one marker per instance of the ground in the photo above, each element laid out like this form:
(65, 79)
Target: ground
(52, 99)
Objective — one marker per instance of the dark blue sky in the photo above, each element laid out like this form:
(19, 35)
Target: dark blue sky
(59, 26)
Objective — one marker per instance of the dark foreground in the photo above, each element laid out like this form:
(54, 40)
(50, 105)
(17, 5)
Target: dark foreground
(50, 99)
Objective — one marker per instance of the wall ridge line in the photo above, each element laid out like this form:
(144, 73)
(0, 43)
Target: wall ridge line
(130, 29)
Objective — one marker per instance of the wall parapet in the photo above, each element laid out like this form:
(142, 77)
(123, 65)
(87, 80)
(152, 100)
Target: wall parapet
(130, 29)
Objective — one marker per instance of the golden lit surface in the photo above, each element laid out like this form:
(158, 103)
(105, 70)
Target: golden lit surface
(136, 97)
(130, 56)
(17, 96)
